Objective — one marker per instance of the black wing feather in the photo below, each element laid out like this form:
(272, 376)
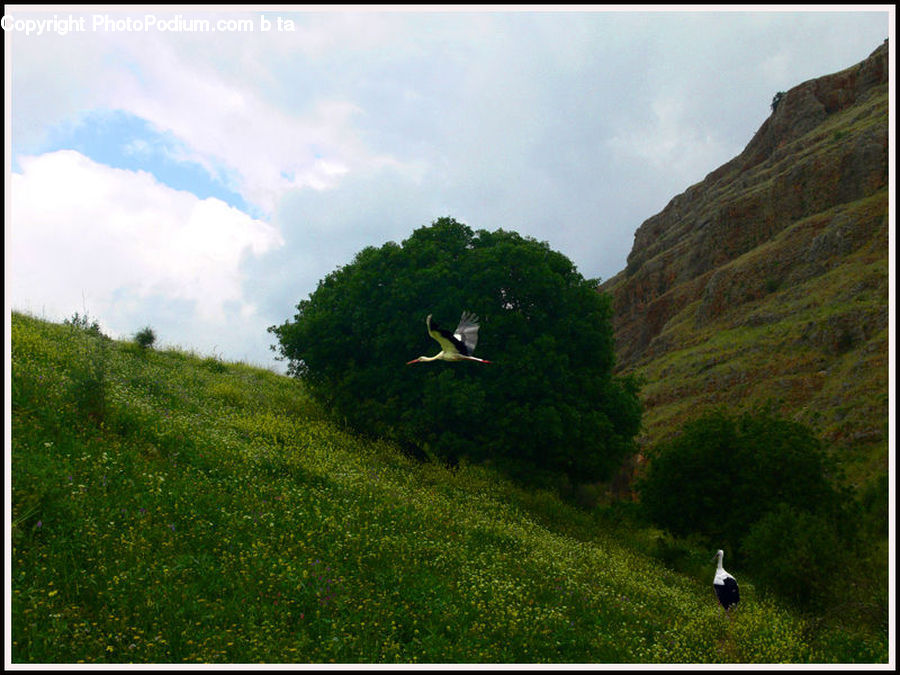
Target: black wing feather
(728, 593)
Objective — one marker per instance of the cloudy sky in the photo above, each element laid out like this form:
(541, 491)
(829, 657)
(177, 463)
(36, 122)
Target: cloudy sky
(198, 170)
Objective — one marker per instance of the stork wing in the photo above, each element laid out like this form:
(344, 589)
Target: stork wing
(448, 345)
(467, 331)
(448, 342)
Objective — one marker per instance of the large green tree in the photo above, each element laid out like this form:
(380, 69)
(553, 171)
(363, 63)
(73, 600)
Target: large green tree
(549, 399)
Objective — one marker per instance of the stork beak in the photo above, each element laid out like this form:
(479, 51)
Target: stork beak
(413, 361)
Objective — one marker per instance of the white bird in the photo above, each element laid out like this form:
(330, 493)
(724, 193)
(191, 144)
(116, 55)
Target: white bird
(455, 346)
(725, 585)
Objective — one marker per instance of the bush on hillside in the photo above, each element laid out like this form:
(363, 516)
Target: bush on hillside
(85, 323)
(722, 474)
(145, 338)
(776, 99)
(548, 400)
(796, 554)
(758, 486)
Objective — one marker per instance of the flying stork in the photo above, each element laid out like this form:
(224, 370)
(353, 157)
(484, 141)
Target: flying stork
(725, 585)
(455, 346)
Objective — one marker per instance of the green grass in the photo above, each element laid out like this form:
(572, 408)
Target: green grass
(170, 508)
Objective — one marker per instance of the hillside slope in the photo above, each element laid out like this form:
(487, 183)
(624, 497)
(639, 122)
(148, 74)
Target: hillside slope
(168, 508)
(769, 279)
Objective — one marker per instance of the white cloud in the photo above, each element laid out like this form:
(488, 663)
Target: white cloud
(258, 147)
(227, 125)
(81, 229)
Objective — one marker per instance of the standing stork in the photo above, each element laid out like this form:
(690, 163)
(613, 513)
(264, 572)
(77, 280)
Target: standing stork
(725, 585)
(455, 346)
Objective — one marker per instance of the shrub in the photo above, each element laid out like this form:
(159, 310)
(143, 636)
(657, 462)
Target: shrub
(722, 473)
(796, 554)
(83, 322)
(548, 401)
(776, 99)
(145, 338)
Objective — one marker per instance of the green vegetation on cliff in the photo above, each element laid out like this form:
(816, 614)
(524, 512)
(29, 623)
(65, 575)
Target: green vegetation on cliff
(768, 281)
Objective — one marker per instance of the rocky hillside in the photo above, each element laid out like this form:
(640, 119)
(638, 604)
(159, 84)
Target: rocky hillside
(769, 279)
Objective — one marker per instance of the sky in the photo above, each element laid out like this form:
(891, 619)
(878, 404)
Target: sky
(199, 169)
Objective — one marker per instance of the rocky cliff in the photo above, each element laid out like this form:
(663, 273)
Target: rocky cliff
(768, 281)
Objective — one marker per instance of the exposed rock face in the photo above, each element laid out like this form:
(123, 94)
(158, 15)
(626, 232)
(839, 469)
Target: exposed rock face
(787, 233)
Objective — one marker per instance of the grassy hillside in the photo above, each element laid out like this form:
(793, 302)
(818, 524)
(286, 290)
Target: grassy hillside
(813, 341)
(173, 508)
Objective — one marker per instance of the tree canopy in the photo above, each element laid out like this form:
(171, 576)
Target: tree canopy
(724, 473)
(549, 399)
